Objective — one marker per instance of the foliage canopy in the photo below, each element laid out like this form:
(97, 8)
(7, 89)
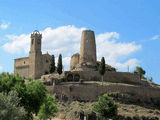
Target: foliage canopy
(10, 108)
(48, 108)
(32, 95)
(52, 65)
(101, 67)
(59, 66)
(140, 71)
(105, 107)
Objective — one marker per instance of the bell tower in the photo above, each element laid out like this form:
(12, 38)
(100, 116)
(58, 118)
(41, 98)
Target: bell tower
(36, 39)
(35, 55)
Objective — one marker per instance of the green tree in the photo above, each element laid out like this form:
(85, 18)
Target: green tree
(9, 81)
(48, 108)
(140, 71)
(35, 96)
(101, 68)
(9, 107)
(59, 65)
(105, 107)
(32, 95)
(52, 65)
(151, 79)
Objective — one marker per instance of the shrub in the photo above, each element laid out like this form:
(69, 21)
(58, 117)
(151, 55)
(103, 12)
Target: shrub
(9, 107)
(105, 107)
(48, 108)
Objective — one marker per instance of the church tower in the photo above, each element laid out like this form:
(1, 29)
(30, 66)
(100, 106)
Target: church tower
(35, 55)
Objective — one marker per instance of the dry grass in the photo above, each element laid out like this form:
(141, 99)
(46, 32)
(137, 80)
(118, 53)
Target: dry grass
(133, 110)
(71, 110)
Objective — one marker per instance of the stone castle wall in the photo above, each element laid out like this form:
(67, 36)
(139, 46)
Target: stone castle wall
(46, 58)
(24, 66)
(21, 66)
(90, 92)
(74, 61)
(115, 77)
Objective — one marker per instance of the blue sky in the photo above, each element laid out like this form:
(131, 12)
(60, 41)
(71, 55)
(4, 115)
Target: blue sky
(127, 31)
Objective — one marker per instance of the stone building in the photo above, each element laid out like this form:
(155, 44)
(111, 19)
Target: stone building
(87, 59)
(36, 64)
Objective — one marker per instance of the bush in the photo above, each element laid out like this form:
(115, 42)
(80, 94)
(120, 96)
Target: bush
(9, 81)
(35, 96)
(105, 107)
(48, 108)
(32, 95)
(9, 107)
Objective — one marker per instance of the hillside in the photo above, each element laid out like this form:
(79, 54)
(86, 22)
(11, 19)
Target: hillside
(73, 110)
(130, 104)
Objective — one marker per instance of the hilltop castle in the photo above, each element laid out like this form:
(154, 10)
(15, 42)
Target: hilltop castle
(82, 82)
(37, 63)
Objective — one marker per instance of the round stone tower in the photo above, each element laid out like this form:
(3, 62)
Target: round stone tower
(88, 56)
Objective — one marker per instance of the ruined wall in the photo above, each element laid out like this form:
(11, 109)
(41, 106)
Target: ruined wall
(115, 77)
(74, 61)
(21, 66)
(90, 92)
(45, 63)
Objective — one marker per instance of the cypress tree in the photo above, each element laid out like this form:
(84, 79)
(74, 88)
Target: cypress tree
(59, 65)
(52, 65)
(101, 68)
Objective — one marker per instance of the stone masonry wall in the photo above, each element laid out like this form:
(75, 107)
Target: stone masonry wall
(115, 77)
(88, 47)
(21, 66)
(74, 61)
(90, 92)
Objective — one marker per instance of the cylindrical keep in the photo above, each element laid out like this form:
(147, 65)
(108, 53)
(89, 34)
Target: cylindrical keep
(88, 48)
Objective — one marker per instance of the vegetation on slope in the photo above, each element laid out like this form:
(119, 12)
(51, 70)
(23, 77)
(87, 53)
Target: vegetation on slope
(33, 96)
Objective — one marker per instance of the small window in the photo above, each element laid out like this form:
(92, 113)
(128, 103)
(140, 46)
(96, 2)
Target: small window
(46, 61)
(32, 41)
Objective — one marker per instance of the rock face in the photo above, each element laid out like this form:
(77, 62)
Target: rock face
(87, 59)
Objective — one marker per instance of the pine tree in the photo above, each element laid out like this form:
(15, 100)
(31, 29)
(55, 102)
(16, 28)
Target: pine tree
(140, 71)
(59, 65)
(106, 107)
(52, 65)
(101, 68)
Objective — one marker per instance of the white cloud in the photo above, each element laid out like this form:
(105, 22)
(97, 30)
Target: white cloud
(66, 40)
(114, 51)
(155, 37)
(1, 68)
(4, 26)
